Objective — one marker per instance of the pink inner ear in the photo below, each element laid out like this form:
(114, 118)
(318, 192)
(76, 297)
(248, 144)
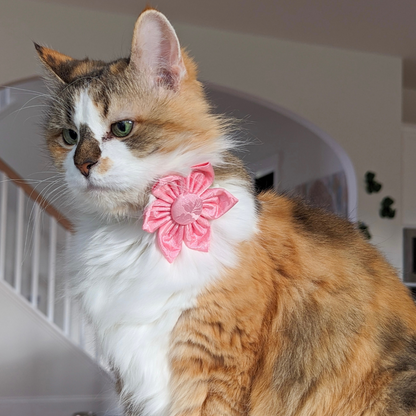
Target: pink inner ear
(156, 49)
(168, 79)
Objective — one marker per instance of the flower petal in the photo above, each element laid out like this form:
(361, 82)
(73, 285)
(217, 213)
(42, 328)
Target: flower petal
(155, 215)
(169, 188)
(169, 238)
(200, 179)
(217, 202)
(197, 235)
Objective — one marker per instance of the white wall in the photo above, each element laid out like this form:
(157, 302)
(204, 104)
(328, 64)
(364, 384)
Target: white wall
(354, 97)
(301, 155)
(43, 374)
(73, 31)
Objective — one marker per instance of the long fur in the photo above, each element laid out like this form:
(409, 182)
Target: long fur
(290, 312)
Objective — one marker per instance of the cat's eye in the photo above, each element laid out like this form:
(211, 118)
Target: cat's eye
(70, 136)
(122, 128)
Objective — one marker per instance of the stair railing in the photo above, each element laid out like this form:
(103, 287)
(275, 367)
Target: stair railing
(33, 238)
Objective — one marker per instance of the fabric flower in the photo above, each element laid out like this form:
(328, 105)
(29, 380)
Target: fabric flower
(183, 209)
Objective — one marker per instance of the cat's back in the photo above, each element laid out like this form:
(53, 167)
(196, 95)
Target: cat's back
(327, 258)
(316, 242)
(343, 335)
(313, 321)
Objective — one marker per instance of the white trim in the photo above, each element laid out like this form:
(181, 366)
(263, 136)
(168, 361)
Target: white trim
(35, 255)
(103, 405)
(3, 223)
(67, 298)
(51, 327)
(53, 229)
(334, 145)
(18, 262)
(52, 399)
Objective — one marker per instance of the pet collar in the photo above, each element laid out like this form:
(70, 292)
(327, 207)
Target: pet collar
(183, 209)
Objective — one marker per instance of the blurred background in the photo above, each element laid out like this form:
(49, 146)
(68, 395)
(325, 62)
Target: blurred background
(326, 92)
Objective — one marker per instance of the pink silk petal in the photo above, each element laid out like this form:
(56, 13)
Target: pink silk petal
(217, 202)
(156, 215)
(169, 238)
(200, 179)
(177, 196)
(169, 188)
(197, 235)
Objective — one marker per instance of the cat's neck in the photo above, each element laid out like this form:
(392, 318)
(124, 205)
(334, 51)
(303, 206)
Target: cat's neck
(237, 225)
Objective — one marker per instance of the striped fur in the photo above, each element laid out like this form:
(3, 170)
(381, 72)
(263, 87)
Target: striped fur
(291, 313)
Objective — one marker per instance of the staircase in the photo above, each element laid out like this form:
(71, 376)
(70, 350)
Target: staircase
(51, 364)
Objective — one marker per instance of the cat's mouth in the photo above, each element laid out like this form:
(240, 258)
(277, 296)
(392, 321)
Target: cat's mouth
(91, 184)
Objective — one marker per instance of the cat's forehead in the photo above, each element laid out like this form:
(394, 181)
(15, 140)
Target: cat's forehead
(89, 112)
(104, 82)
(96, 102)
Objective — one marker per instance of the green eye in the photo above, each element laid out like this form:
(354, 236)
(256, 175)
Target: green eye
(122, 128)
(70, 136)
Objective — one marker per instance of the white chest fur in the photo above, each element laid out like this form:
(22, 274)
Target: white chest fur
(134, 297)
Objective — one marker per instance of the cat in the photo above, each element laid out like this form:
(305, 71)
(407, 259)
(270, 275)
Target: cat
(206, 299)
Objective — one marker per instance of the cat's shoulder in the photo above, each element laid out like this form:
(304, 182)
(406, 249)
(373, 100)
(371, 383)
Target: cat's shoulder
(303, 219)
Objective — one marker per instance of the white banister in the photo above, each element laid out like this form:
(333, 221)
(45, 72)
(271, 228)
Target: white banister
(98, 352)
(3, 224)
(18, 259)
(67, 298)
(35, 255)
(53, 229)
(40, 274)
(81, 330)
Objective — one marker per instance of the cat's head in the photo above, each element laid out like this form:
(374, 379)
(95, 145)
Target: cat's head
(115, 128)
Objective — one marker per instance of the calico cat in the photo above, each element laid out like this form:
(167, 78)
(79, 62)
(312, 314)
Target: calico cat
(208, 300)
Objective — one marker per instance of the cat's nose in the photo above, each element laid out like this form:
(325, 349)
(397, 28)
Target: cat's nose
(88, 151)
(85, 167)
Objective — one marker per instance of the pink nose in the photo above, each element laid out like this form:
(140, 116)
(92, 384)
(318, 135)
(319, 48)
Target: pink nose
(85, 168)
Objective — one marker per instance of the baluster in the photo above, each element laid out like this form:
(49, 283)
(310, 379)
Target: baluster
(52, 268)
(3, 224)
(18, 259)
(67, 299)
(81, 325)
(98, 352)
(35, 255)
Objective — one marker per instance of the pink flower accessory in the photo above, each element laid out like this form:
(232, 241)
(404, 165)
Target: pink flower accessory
(183, 210)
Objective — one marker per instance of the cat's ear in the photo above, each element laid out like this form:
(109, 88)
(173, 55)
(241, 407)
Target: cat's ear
(156, 50)
(56, 63)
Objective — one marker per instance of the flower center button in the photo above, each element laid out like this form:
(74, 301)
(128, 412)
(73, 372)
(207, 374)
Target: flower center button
(186, 209)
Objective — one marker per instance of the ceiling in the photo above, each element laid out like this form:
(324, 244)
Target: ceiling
(379, 26)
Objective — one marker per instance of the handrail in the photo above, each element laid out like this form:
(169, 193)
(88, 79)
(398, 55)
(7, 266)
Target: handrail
(35, 196)
(37, 282)
(36, 237)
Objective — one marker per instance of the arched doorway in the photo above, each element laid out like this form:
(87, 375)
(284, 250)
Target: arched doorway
(307, 161)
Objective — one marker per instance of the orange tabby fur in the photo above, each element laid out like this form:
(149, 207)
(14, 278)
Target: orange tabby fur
(313, 320)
